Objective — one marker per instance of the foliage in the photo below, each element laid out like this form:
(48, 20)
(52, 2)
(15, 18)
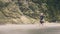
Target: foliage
(31, 8)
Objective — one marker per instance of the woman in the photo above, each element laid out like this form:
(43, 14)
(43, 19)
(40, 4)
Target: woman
(41, 18)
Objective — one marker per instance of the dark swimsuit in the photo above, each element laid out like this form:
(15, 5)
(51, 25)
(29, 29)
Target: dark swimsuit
(41, 19)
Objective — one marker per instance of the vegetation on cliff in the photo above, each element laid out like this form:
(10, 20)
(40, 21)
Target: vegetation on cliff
(28, 11)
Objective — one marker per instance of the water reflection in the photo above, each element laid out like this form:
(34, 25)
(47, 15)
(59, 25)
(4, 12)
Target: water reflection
(53, 30)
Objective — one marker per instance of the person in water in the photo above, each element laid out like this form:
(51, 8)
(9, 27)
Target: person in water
(41, 18)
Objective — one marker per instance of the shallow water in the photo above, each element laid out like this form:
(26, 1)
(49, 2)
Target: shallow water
(29, 29)
(54, 30)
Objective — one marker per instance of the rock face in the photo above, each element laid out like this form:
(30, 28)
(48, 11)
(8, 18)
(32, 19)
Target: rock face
(15, 12)
(28, 11)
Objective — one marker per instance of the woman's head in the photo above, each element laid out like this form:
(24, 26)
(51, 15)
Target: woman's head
(41, 13)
